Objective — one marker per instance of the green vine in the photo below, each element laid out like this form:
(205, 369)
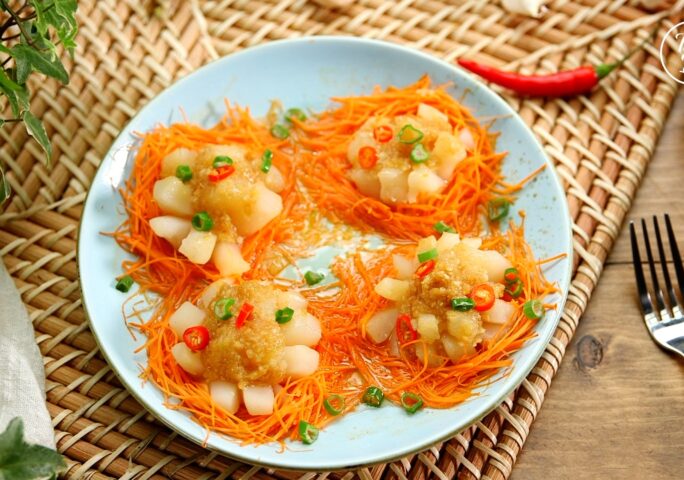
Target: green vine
(30, 32)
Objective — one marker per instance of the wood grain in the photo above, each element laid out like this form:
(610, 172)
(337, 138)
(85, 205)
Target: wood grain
(616, 406)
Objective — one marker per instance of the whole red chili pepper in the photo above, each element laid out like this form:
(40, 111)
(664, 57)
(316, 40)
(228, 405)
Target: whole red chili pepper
(562, 84)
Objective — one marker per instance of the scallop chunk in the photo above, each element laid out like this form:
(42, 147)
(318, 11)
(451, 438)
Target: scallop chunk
(393, 185)
(170, 228)
(447, 241)
(422, 180)
(180, 156)
(448, 152)
(274, 180)
(455, 349)
(494, 263)
(185, 317)
(301, 361)
(173, 196)
(428, 327)
(433, 116)
(303, 329)
(198, 246)
(500, 313)
(225, 395)
(228, 259)
(254, 208)
(405, 267)
(366, 181)
(464, 326)
(392, 289)
(362, 138)
(466, 136)
(212, 290)
(258, 399)
(293, 300)
(188, 360)
(381, 325)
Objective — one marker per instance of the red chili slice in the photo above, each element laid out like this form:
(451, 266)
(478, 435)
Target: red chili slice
(483, 296)
(244, 314)
(383, 133)
(405, 330)
(196, 338)
(425, 268)
(220, 173)
(368, 157)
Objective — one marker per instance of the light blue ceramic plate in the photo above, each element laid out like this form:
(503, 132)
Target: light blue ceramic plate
(306, 73)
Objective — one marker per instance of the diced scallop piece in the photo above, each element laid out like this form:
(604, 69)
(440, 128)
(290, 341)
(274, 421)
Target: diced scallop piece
(464, 326)
(432, 115)
(494, 263)
(274, 180)
(225, 395)
(447, 241)
(212, 290)
(393, 343)
(173, 196)
(500, 313)
(428, 327)
(381, 325)
(428, 351)
(228, 259)
(303, 329)
(422, 180)
(300, 361)
(171, 228)
(466, 137)
(180, 156)
(448, 151)
(392, 289)
(294, 300)
(426, 243)
(453, 348)
(198, 246)
(188, 360)
(491, 330)
(366, 181)
(185, 317)
(258, 399)
(258, 207)
(472, 242)
(362, 138)
(405, 267)
(393, 185)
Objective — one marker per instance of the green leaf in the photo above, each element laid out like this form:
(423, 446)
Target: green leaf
(28, 58)
(35, 128)
(21, 461)
(61, 16)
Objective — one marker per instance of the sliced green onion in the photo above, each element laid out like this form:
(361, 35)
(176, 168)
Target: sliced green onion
(419, 153)
(427, 255)
(124, 284)
(297, 113)
(284, 315)
(411, 402)
(373, 397)
(184, 173)
(533, 309)
(266, 161)
(443, 227)
(498, 208)
(334, 404)
(312, 278)
(409, 134)
(280, 131)
(202, 221)
(462, 304)
(307, 432)
(514, 289)
(511, 275)
(222, 308)
(222, 161)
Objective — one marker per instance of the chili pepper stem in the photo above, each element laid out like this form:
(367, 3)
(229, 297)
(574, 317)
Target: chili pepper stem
(605, 69)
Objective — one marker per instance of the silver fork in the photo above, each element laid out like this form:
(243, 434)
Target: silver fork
(662, 314)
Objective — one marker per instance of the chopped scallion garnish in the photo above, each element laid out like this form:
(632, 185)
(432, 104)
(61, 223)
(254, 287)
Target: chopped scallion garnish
(409, 134)
(462, 304)
(419, 153)
(124, 284)
(443, 227)
(514, 289)
(533, 309)
(498, 208)
(307, 432)
(184, 173)
(280, 131)
(266, 161)
(297, 113)
(202, 221)
(222, 161)
(222, 308)
(411, 402)
(373, 397)
(284, 315)
(511, 275)
(334, 404)
(312, 278)
(427, 255)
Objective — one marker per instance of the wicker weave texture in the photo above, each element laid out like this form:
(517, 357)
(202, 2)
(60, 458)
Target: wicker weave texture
(129, 51)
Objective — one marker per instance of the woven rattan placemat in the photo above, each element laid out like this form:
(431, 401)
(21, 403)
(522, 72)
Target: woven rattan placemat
(130, 50)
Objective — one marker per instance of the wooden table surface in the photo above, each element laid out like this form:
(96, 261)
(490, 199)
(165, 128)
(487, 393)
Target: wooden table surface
(622, 415)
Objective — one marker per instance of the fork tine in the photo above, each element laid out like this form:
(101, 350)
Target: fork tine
(644, 297)
(660, 304)
(672, 298)
(676, 258)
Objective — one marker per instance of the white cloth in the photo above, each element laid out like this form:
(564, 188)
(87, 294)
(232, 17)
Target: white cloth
(22, 377)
